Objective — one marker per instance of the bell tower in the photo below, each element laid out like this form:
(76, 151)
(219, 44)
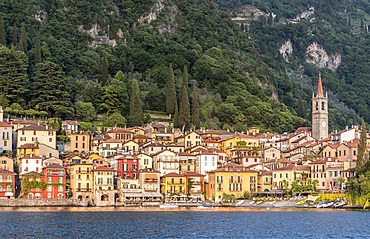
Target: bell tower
(320, 113)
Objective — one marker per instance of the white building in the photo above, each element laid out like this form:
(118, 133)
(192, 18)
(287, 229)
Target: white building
(6, 136)
(109, 147)
(30, 163)
(206, 162)
(166, 162)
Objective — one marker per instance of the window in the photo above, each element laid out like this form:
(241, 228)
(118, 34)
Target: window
(49, 195)
(5, 143)
(49, 188)
(83, 138)
(87, 176)
(281, 175)
(50, 140)
(344, 153)
(189, 168)
(49, 180)
(34, 132)
(60, 188)
(172, 181)
(76, 145)
(83, 145)
(60, 180)
(354, 152)
(22, 132)
(322, 105)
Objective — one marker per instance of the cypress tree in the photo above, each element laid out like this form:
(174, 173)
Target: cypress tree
(37, 49)
(269, 21)
(176, 122)
(301, 111)
(135, 103)
(14, 35)
(2, 32)
(104, 71)
(184, 113)
(361, 148)
(195, 107)
(171, 92)
(23, 40)
(50, 89)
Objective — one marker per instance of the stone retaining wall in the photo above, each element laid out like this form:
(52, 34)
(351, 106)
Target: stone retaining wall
(39, 203)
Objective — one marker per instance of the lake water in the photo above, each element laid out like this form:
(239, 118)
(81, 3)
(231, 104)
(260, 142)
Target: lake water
(181, 223)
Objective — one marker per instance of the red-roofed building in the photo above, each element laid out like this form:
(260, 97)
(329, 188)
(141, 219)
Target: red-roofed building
(120, 134)
(128, 167)
(173, 183)
(290, 174)
(55, 179)
(198, 185)
(7, 184)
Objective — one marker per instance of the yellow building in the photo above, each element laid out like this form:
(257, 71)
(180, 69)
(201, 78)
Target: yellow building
(131, 146)
(95, 156)
(27, 149)
(80, 142)
(228, 144)
(172, 183)
(211, 143)
(187, 162)
(290, 173)
(253, 130)
(81, 179)
(120, 134)
(103, 178)
(163, 138)
(232, 179)
(142, 139)
(189, 140)
(264, 181)
(136, 130)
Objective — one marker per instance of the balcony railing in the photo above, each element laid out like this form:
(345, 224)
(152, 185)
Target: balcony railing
(267, 183)
(151, 190)
(83, 189)
(220, 189)
(175, 191)
(6, 181)
(83, 171)
(55, 174)
(150, 180)
(235, 181)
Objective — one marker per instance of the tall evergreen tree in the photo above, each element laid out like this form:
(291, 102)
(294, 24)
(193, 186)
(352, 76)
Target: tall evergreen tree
(14, 36)
(176, 119)
(104, 71)
(12, 75)
(270, 19)
(171, 92)
(361, 148)
(195, 107)
(50, 89)
(184, 112)
(301, 110)
(23, 41)
(37, 49)
(135, 103)
(2, 32)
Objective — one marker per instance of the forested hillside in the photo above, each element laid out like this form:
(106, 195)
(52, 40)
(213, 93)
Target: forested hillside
(79, 58)
(339, 30)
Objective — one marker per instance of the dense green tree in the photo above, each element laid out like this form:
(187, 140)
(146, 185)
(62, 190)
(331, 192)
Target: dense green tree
(13, 77)
(171, 92)
(176, 118)
(84, 111)
(2, 32)
(104, 71)
(135, 103)
(116, 120)
(50, 89)
(184, 112)
(155, 98)
(109, 100)
(195, 107)
(301, 108)
(37, 49)
(361, 148)
(56, 125)
(14, 36)
(23, 41)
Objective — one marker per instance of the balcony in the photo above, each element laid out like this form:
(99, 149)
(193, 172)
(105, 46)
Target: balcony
(83, 189)
(83, 171)
(151, 190)
(55, 174)
(267, 183)
(6, 181)
(235, 181)
(175, 191)
(195, 191)
(220, 189)
(150, 180)
(253, 181)
(131, 190)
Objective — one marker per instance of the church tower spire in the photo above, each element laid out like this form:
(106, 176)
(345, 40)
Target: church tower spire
(320, 113)
(319, 87)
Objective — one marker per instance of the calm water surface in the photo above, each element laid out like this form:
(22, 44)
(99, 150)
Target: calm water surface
(156, 223)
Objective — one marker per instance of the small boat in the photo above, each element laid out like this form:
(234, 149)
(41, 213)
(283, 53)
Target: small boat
(168, 205)
(259, 202)
(204, 206)
(340, 204)
(328, 204)
(240, 203)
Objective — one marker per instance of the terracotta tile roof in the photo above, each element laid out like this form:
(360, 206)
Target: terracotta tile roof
(303, 129)
(185, 154)
(299, 139)
(54, 165)
(37, 128)
(173, 175)
(319, 87)
(112, 141)
(154, 145)
(157, 125)
(119, 130)
(254, 128)
(193, 174)
(31, 156)
(4, 171)
(210, 141)
(103, 169)
(244, 136)
(71, 122)
(232, 167)
(3, 124)
(30, 122)
(159, 152)
(293, 155)
(28, 146)
(264, 135)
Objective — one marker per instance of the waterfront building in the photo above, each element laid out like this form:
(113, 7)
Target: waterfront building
(55, 179)
(173, 183)
(81, 179)
(7, 183)
(109, 147)
(290, 173)
(149, 180)
(104, 192)
(264, 181)
(128, 167)
(232, 179)
(131, 146)
(153, 148)
(206, 161)
(187, 162)
(70, 126)
(197, 184)
(36, 179)
(142, 139)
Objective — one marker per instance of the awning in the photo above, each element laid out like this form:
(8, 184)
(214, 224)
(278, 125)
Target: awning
(152, 195)
(128, 195)
(8, 194)
(37, 195)
(151, 176)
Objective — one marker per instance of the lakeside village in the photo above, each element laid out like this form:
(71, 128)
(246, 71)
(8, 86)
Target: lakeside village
(153, 163)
